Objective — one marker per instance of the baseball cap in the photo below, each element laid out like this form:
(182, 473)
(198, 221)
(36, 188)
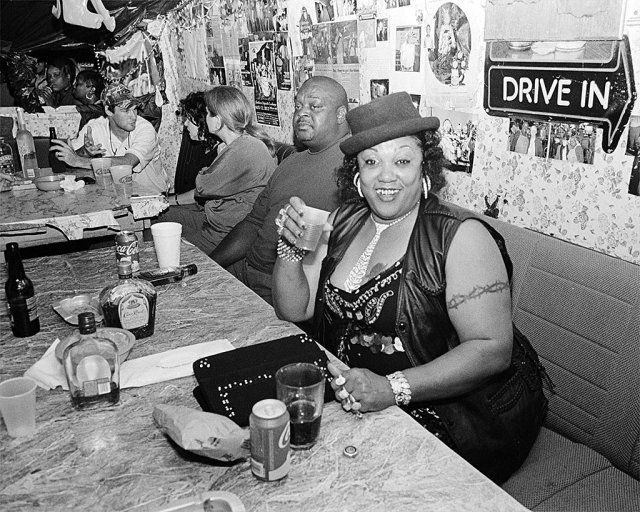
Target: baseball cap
(118, 95)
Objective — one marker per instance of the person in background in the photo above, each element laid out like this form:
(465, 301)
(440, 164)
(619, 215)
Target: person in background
(122, 136)
(319, 124)
(87, 92)
(414, 295)
(226, 190)
(59, 91)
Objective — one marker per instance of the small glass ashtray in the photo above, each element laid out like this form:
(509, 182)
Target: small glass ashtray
(71, 307)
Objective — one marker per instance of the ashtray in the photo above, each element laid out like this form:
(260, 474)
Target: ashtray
(123, 339)
(213, 501)
(70, 308)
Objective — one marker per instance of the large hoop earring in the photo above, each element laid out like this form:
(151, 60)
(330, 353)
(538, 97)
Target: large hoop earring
(356, 183)
(426, 186)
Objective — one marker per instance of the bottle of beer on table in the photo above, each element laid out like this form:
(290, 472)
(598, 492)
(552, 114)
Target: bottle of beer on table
(23, 307)
(55, 164)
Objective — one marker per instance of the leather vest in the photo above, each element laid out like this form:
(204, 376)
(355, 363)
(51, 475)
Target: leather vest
(494, 426)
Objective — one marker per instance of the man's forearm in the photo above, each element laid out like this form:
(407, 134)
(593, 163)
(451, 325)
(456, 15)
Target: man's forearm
(236, 244)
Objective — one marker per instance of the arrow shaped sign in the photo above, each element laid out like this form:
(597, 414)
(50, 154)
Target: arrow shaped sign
(598, 89)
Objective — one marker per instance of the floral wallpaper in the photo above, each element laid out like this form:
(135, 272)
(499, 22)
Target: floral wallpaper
(584, 204)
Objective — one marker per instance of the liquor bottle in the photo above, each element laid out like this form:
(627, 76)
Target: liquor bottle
(91, 366)
(23, 306)
(130, 303)
(24, 140)
(55, 164)
(6, 158)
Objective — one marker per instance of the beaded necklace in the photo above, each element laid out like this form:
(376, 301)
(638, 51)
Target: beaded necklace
(122, 143)
(357, 273)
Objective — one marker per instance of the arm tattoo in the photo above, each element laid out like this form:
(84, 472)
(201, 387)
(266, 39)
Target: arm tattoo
(477, 292)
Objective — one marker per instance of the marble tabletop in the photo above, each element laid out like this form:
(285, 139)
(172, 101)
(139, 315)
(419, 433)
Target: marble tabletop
(117, 460)
(71, 212)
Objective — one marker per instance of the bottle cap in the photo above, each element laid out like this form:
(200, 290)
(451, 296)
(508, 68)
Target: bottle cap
(350, 451)
(86, 323)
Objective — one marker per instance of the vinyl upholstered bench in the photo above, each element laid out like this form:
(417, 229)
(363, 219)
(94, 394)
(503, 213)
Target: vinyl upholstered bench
(581, 311)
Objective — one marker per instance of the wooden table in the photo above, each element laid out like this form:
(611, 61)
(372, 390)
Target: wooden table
(31, 217)
(118, 460)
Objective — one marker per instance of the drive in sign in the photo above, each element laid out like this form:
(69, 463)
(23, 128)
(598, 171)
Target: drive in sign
(599, 92)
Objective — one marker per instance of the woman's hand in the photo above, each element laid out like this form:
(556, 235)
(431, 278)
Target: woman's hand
(289, 221)
(45, 95)
(361, 390)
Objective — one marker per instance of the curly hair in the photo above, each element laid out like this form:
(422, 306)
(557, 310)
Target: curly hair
(194, 108)
(432, 164)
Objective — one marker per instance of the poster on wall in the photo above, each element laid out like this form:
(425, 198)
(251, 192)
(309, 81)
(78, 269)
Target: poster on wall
(261, 15)
(382, 30)
(457, 138)
(325, 11)
(303, 67)
(283, 61)
(217, 74)
(302, 17)
(633, 150)
(336, 45)
(245, 62)
(455, 46)
(263, 74)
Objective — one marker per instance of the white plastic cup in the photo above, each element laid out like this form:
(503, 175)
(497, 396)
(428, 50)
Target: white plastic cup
(315, 221)
(101, 171)
(166, 239)
(18, 406)
(122, 181)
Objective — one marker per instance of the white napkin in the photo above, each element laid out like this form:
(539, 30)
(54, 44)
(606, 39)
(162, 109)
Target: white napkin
(70, 184)
(48, 372)
(168, 365)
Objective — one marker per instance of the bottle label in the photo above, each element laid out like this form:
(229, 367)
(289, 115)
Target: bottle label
(96, 387)
(32, 308)
(133, 311)
(17, 306)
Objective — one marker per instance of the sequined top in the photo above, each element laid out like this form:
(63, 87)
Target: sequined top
(363, 334)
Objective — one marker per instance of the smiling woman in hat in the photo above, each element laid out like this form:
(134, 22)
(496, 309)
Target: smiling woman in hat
(414, 295)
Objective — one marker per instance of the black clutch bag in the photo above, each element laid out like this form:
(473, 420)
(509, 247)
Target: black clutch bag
(230, 383)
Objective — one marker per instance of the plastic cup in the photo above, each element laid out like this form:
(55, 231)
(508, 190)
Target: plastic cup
(122, 181)
(18, 406)
(314, 220)
(166, 239)
(301, 387)
(101, 171)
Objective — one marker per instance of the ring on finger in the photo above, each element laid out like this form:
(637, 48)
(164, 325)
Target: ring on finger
(356, 406)
(343, 394)
(346, 405)
(340, 380)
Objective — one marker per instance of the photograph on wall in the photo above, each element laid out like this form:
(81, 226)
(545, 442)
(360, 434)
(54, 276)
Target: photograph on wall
(345, 7)
(382, 29)
(379, 87)
(283, 61)
(245, 62)
(264, 80)
(392, 4)
(366, 33)
(449, 58)
(408, 49)
(217, 76)
(260, 15)
(280, 20)
(529, 137)
(302, 17)
(416, 98)
(325, 11)
(303, 67)
(458, 138)
(572, 142)
(633, 150)
(321, 41)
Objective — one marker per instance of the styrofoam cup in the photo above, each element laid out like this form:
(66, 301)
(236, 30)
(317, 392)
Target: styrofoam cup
(166, 239)
(314, 220)
(18, 406)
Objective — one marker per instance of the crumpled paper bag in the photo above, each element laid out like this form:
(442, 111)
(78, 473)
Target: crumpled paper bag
(203, 433)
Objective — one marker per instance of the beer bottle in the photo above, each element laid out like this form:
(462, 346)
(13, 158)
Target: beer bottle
(23, 307)
(55, 164)
(24, 141)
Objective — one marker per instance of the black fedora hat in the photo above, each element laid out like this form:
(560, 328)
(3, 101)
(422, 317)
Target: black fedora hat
(385, 118)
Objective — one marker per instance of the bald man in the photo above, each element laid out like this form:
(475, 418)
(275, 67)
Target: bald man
(319, 124)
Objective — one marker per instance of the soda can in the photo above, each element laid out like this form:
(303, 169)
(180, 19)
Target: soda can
(127, 249)
(269, 431)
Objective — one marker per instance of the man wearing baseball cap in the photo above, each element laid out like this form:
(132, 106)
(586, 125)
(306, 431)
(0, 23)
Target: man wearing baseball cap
(121, 135)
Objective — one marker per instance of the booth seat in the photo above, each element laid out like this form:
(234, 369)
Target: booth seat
(581, 311)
